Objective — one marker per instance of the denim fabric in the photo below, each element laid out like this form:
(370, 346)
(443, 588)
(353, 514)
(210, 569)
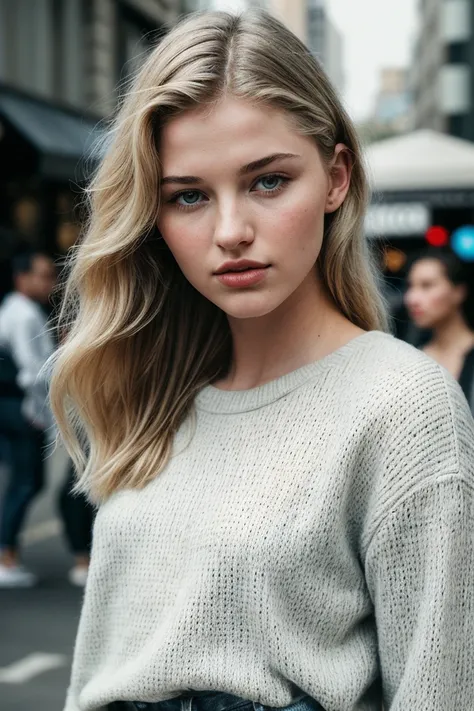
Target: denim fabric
(23, 452)
(213, 701)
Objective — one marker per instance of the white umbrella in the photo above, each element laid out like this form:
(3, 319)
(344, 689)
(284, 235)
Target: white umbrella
(422, 160)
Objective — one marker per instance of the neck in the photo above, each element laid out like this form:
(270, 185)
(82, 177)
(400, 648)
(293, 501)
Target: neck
(453, 333)
(307, 327)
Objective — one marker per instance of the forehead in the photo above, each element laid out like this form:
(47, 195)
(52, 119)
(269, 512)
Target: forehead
(234, 129)
(428, 268)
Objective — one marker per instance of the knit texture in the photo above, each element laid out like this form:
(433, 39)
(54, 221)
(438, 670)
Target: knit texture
(314, 534)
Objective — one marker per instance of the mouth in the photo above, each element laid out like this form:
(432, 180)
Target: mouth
(240, 265)
(239, 270)
(243, 276)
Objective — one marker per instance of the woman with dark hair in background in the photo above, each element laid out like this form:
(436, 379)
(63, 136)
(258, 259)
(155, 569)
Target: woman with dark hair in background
(436, 299)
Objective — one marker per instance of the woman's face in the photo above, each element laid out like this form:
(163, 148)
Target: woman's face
(243, 200)
(431, 298)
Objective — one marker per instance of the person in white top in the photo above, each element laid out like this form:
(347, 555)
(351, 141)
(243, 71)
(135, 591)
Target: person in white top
(26, 421)
(285, 492)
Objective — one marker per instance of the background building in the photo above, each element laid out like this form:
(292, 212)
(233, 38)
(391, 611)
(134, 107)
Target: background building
(61, 62)
(442, 76)
(311, 22)
(393, 103)
(333, 56)
(231, 5)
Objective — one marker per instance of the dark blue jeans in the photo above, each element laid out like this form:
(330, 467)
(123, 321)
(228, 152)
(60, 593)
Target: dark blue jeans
(77, 515)
(213, 701)
(23, 452)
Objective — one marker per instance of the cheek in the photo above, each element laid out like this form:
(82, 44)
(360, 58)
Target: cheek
(182, 238)
(441, 301)
(300, 225)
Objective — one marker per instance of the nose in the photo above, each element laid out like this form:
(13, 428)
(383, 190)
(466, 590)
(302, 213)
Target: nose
(233, 227)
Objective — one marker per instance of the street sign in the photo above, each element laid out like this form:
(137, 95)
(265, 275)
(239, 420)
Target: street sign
(408, 219)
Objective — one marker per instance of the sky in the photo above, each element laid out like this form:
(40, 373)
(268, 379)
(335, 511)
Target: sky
(377, 34)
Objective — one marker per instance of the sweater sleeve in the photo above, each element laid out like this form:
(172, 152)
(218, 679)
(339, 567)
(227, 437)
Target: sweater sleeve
(420, 571)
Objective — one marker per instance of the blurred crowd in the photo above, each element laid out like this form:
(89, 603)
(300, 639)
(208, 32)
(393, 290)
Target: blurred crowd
(435, 296)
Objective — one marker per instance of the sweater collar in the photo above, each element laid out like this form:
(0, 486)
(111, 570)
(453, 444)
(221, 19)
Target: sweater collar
(216, 400)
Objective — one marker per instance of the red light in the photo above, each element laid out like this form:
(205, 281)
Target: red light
(437, 236)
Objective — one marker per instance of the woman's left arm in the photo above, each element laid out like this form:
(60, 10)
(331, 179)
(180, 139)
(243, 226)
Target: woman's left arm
(420, 573)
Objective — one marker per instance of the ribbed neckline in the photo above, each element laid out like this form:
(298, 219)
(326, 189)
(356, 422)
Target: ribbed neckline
(212, 399)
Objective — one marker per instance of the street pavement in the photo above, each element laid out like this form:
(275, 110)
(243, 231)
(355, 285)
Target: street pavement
(38, 626)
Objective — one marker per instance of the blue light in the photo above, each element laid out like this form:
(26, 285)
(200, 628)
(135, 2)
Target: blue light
(462, 242)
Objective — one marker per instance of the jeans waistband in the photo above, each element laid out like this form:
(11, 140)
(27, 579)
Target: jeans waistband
(206, 701)
(189, 701)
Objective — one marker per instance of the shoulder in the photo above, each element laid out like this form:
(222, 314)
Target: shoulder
(18, 306)
(389, 354)
(385, 375)
(393, 390)
(398, 374)
(421, 429)
(412, 394)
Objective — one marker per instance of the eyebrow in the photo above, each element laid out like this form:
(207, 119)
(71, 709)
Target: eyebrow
(249, 168)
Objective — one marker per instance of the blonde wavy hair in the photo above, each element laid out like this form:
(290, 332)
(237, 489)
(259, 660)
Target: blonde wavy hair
(141, 342)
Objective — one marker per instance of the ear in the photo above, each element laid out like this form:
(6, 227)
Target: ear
(340, 170)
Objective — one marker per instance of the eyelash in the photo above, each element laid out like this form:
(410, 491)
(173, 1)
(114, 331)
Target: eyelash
(284, 182)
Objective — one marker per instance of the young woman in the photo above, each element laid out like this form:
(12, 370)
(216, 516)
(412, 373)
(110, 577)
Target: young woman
(285, 491)
(436, 297)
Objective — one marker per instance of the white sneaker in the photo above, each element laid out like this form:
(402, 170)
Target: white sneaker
(78, 576)
(16, 577)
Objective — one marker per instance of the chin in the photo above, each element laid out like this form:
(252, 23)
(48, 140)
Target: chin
(423, 324)
(242, 308)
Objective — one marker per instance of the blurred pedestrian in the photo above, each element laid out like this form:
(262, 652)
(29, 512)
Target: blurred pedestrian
(436, 298)
(25, 418)
(285, 492)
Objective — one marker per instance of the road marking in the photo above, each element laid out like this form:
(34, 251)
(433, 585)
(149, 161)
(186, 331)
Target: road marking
(41, 532)
(31, 666)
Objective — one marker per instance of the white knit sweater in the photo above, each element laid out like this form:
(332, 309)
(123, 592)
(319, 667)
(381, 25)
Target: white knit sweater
(314, 534)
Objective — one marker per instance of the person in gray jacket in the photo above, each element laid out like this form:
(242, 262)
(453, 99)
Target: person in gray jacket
(26, 421)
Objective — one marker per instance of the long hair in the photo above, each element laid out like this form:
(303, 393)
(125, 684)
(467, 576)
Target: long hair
(141, 340)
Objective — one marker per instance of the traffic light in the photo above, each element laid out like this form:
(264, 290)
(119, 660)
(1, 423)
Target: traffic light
(437, 236)
(462, 243)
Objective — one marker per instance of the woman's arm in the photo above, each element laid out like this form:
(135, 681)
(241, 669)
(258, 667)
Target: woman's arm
(420, 571)
(419, 562)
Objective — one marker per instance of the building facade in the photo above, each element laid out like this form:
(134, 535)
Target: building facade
(229, 5)
(333, 58)
(393, 102)
(61, 63)
(442, 72)
(76, 51)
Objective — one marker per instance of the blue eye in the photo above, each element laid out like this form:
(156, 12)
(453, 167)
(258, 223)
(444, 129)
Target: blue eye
(270, 183)
(189, 197)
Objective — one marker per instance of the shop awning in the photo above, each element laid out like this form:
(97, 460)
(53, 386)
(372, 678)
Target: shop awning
(68, 145)
(424, 160)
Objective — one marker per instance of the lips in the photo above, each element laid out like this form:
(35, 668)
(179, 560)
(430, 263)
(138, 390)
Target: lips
(240, 265)
(244, 277)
